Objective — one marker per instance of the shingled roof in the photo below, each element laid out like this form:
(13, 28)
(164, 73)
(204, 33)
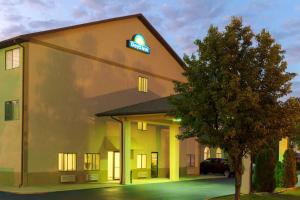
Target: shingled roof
(27, 37)
(155, 106)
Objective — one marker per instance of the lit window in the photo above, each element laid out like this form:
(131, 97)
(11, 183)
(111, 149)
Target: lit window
(11, 110)
(141, 161)
(67, 162)
(12, 58)
(143, 84)
(91, 161)
(219, 153)
(206, 153)
(142, 126)
(191, 160)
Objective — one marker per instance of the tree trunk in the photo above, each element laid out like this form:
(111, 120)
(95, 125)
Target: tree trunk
(238, 177)
(238, 181)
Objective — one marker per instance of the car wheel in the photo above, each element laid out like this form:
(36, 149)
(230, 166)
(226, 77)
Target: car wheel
(227, 173)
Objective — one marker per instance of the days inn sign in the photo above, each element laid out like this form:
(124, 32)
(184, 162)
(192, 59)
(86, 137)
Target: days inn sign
(138, 43)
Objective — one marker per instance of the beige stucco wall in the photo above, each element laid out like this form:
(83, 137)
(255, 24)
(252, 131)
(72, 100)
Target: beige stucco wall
(10, 131)
(189, 146)
(65, 90)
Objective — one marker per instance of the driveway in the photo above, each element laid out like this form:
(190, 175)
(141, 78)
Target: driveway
(184, 190)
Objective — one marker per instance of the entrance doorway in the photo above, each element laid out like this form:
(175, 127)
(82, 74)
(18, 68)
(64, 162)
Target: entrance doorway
(154, 164)
(113, 168)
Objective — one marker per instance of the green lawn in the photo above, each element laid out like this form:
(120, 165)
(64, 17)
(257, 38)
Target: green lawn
(289, 195)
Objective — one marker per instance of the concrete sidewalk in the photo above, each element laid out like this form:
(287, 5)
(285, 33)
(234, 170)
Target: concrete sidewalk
(85, 186)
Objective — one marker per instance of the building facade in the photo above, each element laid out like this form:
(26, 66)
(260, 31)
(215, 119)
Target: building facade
(72, 106)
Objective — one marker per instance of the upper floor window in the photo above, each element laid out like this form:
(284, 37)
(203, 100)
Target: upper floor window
(12, 58)
(92, 161)
(143, 84)
(142, 126)
(67, 162)
(11, 110)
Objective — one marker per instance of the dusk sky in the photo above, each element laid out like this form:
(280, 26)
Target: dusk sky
(180, 22)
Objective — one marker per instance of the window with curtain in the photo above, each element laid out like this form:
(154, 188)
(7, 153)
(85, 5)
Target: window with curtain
(141, 161)
(67, 162)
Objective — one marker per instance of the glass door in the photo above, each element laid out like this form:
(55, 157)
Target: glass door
(117, 165)
(113, 168)
(154, 164)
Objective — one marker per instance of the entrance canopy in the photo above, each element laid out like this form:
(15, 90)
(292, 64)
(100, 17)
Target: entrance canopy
(156, 106)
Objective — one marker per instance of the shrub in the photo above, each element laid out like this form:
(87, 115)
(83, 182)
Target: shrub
(289, 169)
(279, 174)
(265, 171)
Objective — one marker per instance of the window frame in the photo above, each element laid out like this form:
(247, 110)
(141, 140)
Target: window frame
(93, 163)
(12, 61)
(142, 126)
(63, 162)
(218, 152)
(191, 160)
(14, 118)
(143, 84)
(207, 154)
(141, 161)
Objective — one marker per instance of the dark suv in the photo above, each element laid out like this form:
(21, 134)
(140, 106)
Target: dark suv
(216, 166)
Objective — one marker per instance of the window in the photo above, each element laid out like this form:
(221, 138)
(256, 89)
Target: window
(219, 153)
(11, 110)
(206, 153)
(91, 161)
(12, 58)
(141, 161)
(67, 162)
(143, 84)
(142, 126)
(191, 160)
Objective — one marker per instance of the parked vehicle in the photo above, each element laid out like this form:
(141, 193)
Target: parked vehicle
(216, 166)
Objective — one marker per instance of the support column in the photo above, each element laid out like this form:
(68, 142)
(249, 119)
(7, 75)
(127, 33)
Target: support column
(126, 152)
(174, 152)
(246, 177)
(283, 146)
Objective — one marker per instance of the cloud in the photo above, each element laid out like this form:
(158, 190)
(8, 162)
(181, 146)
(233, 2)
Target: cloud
(293, 53)
(290, 28)
(40, 3)
(295, 89)
(49, 24)
(14, 30)
(10, 2)
(80, 12)
(11, 17)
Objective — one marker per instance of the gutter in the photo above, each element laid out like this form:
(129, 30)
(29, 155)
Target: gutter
(122, 154)
(23, 115)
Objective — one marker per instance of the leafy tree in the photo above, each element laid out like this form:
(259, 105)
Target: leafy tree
(232, 97)
(265, 171)
(289, 169)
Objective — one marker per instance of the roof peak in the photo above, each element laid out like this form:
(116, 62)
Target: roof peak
(141, 17)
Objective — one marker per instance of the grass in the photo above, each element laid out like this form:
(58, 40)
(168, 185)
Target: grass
(293, 194)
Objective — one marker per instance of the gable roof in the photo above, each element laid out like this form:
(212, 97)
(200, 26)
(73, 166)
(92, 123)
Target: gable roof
(27, 37)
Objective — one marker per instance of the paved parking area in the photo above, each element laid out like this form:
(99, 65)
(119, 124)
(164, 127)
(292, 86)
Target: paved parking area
(183, 190)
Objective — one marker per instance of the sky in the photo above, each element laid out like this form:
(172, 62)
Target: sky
(180, 22)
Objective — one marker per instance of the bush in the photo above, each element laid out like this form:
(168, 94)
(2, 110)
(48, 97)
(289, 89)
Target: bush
(279, 174)
(264, 178)
(289, 169)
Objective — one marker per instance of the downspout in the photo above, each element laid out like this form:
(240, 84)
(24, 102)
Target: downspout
(122, 154)
(23, 115)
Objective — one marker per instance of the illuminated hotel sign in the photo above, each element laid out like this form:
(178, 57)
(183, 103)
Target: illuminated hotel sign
(138, 43)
